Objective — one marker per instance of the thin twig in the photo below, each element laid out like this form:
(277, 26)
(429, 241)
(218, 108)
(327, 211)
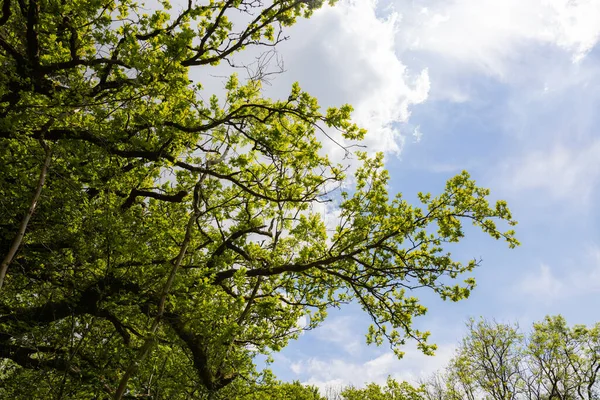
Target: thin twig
(23, 227)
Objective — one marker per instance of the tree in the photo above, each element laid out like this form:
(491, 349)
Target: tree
(155, 242)
(439, 386)
(564, 360)
(490, 359)
(279, 391)
(495, 361)
(393, 390)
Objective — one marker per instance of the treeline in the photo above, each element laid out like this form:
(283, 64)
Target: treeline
(497, 361)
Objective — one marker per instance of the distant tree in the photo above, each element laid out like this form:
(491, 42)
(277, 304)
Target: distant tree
(280, 391)
(439, 386)
(564, 362)
(495, 361)
(490, 359)
(392, 390)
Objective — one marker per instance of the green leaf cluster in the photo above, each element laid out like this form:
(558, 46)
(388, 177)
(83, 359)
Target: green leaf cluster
(392, 390)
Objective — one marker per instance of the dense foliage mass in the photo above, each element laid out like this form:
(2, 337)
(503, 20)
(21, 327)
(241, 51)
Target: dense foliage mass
(392, 390)
(154, 242)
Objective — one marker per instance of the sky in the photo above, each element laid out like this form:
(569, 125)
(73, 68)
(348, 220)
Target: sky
(508, 90)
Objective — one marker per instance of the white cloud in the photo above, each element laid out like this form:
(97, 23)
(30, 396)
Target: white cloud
(576, 25)
(491, 34)
(548, 284)
(346, 54)
(342, 54)
(350, 361)
(302, 323)
(541, 284)
(334, 373)
(341, 331)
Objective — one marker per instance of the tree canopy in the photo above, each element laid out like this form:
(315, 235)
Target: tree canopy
(154, 241)
(392, 390)
(496, 361)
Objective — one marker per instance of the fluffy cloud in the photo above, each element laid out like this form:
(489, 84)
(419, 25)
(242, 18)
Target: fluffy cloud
(541, 284)
(334, 373)
(349, 361)
(490, 34)
(512, 41)
(529, 60)
(341, 331)
(346, 54)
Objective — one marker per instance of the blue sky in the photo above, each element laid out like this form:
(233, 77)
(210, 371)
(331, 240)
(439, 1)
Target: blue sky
(508, 90)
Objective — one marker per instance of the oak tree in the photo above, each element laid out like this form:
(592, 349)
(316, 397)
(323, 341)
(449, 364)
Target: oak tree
(155, 241)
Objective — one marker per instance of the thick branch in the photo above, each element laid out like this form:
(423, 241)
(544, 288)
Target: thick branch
(23, 357)
(171, 198)
(18, 57)
(51, 68)
(223, 275)
(33, 50)
(195, 344)
(86, 302)
(228, 243)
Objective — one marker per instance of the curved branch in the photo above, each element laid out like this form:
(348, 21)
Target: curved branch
(171, 198)
(228, 243)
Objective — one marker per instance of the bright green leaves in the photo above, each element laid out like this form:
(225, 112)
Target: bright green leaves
(390, 246)
(490, 357)
(392, 390)
(281, 391)
(138, 148)
(463, 199)
(340, 118)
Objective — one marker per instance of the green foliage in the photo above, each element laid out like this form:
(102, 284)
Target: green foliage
(495, 361)
(490, 358)
(284, 391)
(565, 360)
(393, 390)
(176, 237)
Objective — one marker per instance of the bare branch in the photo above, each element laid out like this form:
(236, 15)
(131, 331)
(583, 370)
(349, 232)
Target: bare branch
(23, 226)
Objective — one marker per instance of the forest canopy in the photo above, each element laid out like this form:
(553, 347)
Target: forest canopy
(154, 242)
